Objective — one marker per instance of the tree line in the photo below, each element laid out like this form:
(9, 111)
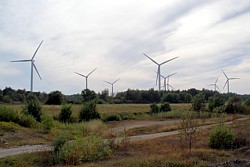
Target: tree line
(9, 95)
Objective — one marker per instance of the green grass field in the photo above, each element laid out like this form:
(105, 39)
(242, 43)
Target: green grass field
(54, 110)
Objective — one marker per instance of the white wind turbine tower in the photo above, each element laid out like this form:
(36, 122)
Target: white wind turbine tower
(166, 82)
(227, 82)
(86, 77)
(215, 85)
(159, 69)
(112, 84)
(32, 61)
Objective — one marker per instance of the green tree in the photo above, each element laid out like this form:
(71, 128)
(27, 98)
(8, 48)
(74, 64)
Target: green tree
(55, 97)
(89, 111)
(215, 101)
(65, 114)
(234, 105)
(165, 107)
(198, 102)
(88, 95)
(154, 108)
(221, 138)
(188, 98)
(7, 99)
(34, 109)
(188, 126)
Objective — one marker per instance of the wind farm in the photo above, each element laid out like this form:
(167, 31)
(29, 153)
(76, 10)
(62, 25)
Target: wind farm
(158, 77)
(166, 81)
(124, 83)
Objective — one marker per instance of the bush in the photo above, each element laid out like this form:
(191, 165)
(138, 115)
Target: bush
(113, 117)
(221, 138)
(34, 109)
(8, 115)
(91, 148)
(89, 111)
(47, 122)
(55, 97)
(27, 121)
(234, 106)
(165, 107)
(198, 102)
(154, 108)
(215, 101)
(65, 114)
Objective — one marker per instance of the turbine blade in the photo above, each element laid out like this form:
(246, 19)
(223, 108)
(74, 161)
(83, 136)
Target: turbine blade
(217, 87)
(225, 84)
(157, 75)
(36, 70)
(20, 60)
(91, 72)
(171, 86)
(116, 81)
(216, 80)
(171, 74)
(80, 74)
(151, 59)
(233, 78)
(36, 51)
(108, 82)
(168, 60)
(224, 73)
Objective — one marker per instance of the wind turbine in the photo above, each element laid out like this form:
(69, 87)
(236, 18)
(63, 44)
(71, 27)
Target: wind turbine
(112, 84)
(32, 61)
(159, 69)
(86, 76)
(166, 83)
(215, 85)
(227, 82)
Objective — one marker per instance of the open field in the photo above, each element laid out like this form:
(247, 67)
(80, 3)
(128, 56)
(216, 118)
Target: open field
(163, 151)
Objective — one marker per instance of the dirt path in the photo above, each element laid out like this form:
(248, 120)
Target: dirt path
(131, 124)
(38, 148)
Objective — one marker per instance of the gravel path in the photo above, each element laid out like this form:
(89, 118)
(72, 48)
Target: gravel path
(39, 148)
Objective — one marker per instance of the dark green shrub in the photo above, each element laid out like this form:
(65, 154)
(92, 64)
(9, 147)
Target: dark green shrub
(27, 121)
(113, 117)
(89, 111)
(154, 108)
(198, 102)
(234, 105)
(34, 109)
(47, 122)
(65, 114)
(247, 102)
(165, 107)
(215, 101)
(221, 138)
(8, 115)
(55, 97)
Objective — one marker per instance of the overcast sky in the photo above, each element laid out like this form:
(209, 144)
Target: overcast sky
(111, 35)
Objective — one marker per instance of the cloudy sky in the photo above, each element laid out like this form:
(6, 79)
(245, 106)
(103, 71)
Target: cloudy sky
(111, 35)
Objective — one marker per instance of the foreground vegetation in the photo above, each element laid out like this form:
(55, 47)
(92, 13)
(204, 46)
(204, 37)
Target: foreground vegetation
(81, 134)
